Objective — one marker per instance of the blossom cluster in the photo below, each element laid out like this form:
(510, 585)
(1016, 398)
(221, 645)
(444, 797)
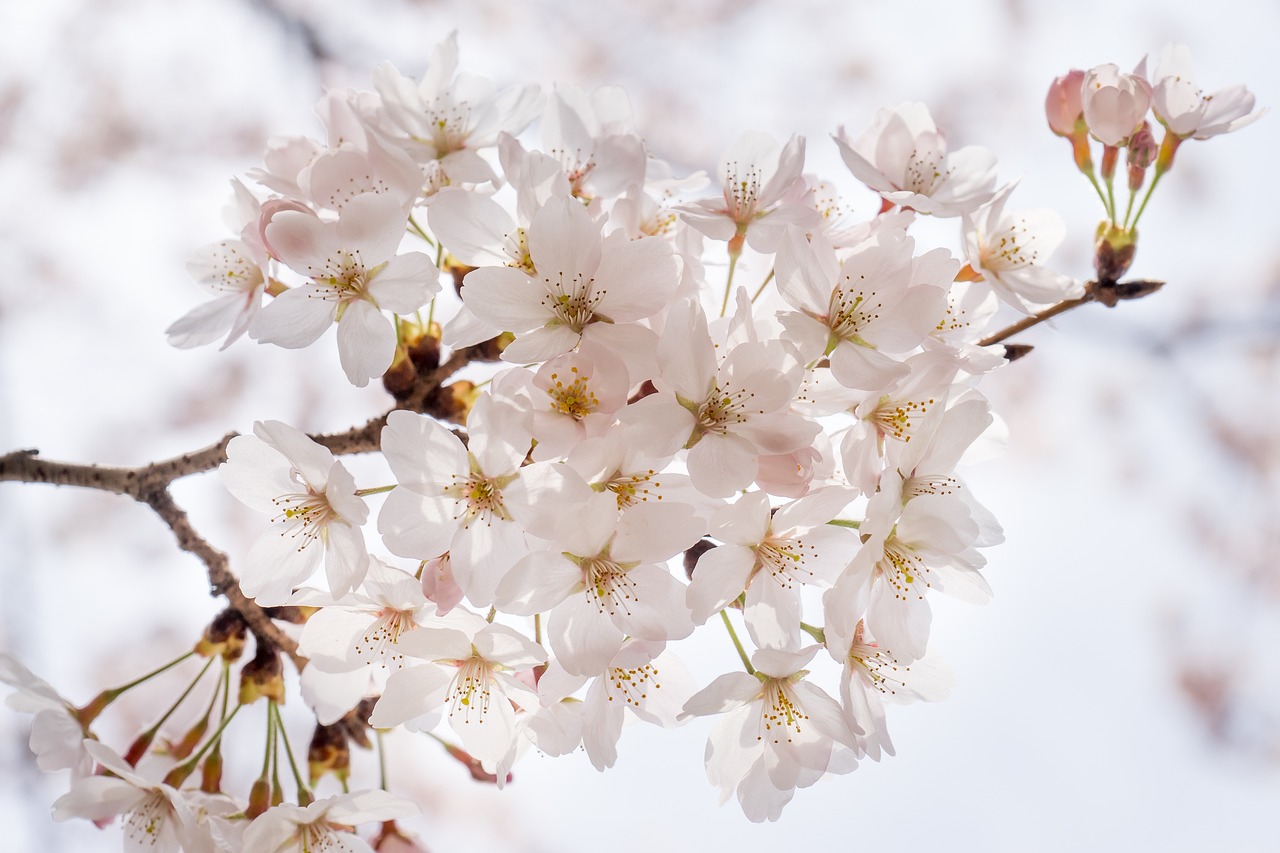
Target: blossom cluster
(736, 371)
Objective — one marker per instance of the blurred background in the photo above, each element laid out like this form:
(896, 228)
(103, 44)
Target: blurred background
(1119, 693)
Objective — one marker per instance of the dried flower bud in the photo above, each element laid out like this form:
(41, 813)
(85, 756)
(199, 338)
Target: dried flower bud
(691, 556)
(224, 636)
(262, 676)
(329, 753)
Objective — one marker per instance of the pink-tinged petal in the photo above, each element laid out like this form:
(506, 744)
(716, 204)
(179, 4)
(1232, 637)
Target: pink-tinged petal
(900, 623)
(657, 610)
(499, 436)
(437, 644)
(582, 636)
(346, 558)
(340, 492)
(98, 798)
(656, 532)
(313, 461)
(256, 473)
(783, 663)
(372, 226)
(744, 522)
(482, 553)
(601, 726)
(804, 281)
(636, 278)
(814, 509)
(541, 344)
(856, 366)
(728, 691)
(371, 805)
(826, 715)
(862, 168)
(508, 647)
(417, 526)
(720, 576)
(537, 583)
(331, 695)
(300, 239)
(366, 342)
(294, 319)
(563, 238)
(410, 694)
(275, 565)
(720, 465)
(423, 455)
(329, 637)
(538, 497)
(772, 613)
(906, 324)
(207, 322)
(506, 299)
(686, 355)
(708, 217)
(489, 734)
(474, 228)
(406, 283)
(466, 329)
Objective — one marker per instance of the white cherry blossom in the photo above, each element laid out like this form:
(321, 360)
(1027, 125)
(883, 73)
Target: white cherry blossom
(311, 497)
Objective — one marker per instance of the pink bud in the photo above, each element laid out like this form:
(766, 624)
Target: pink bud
(438, 583)
(1062, 106)
(269, 209)
(1115, 104)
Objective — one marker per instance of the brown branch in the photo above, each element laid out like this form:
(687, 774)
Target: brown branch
(149, 484)
(1107, 293)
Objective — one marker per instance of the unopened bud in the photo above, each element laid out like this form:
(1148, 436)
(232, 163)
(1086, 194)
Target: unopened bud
(211, 771)
(1142, 153)
(329, 753)
(259, 799)
(262, 676)
(224, 636)
(1062, 106)
(392, 840)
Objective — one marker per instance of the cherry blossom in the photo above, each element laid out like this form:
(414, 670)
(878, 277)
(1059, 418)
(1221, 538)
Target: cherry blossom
(1184, 109)
(280, 471)
(1114, 103)
(325, 824)
(903, 156)
(354, 274)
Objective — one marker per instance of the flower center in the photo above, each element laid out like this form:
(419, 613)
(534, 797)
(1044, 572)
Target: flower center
(904, 570)
(469, 695)
(606, 581)
(573, 302)
(894, 418)
(379, 641)
(780, 717)
(784, 560)
(741, 190)
(305, 515)
(632, 685)
(571, 396)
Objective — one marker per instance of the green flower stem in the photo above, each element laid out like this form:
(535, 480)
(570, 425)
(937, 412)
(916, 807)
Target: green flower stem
(763, 285)
(90, 712)
(304, 792)
(737, 644)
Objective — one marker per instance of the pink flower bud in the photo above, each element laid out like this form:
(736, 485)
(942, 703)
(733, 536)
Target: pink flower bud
(1062, 106)
(1115, 103)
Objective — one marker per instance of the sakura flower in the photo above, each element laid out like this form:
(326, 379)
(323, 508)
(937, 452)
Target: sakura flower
(354, 274)
(771, 555)
(465, 500)
(57, 737)
(234, 271)
(470, 680)
(1009, 250)
(1114, 103)
(762, 193)
(156, 816)
(584, 288)
(325, 824)
(593, 137)
(643, 678)
(725, 412)
(280, 471)
(1187, 111)
(449, 115)
(605, 580)
(909, 550)
(858, 312)
(574, 397)
(872, 676)
(780, 732)
(903, 156)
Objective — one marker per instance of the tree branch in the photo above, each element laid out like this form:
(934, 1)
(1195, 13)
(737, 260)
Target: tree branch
(149, 484)
(1108, 293)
